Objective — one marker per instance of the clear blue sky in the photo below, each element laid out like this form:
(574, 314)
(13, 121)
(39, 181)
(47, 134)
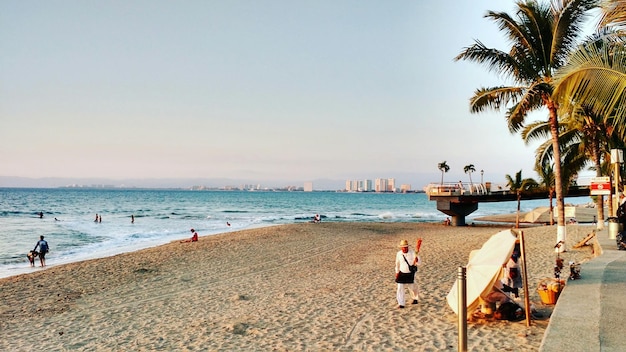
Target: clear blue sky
(263, 90)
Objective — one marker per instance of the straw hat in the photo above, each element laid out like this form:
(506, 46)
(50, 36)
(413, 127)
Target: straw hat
(404, 243)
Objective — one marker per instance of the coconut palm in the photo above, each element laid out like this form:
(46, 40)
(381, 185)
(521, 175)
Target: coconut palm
(613, 13)
(443, 166)
(585, 140)
(518, 185)
(595, 77)
(542, 36)
(468, 169)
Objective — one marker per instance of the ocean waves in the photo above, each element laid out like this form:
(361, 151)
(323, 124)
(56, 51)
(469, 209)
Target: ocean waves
(161, 216)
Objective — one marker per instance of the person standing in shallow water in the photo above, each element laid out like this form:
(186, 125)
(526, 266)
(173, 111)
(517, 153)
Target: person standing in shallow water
(43, 249)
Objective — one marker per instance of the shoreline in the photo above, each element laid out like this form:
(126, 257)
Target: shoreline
(325, 286)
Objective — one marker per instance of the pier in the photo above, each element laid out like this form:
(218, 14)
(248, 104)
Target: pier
(459, 200)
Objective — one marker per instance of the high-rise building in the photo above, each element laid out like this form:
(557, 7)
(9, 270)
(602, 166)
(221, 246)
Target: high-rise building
(391, 185)
(308, 186)
(380, 185)
(367, 186)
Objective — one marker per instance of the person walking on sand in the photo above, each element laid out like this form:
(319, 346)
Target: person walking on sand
(43, 249)
(405, 259)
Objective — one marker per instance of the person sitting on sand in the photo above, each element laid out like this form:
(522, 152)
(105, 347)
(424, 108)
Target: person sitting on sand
(496, 297)
(194, 237)
(317, 218)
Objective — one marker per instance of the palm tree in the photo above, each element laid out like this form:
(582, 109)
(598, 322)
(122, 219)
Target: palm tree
(542, 37)
(546, 180)
(584, 139)
(595, 77)
(613, 13)
(443, 166)
(519, 185)
(468, 169)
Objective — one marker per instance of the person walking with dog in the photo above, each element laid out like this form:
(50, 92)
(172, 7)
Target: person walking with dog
(406, 267)
(43, 249)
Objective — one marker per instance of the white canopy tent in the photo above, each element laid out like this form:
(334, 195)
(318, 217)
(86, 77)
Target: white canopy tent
(483, 269)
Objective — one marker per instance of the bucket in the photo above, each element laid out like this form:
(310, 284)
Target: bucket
(549, 290)
(614, 226)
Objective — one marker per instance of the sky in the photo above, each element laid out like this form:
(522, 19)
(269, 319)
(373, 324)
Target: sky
(270, 91)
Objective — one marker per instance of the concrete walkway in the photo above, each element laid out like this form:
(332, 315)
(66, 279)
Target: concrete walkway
(590, 314)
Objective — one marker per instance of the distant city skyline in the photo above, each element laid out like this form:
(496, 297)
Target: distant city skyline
(377, 185)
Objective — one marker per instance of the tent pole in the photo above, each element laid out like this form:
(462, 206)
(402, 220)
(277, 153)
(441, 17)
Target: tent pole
(525, 277)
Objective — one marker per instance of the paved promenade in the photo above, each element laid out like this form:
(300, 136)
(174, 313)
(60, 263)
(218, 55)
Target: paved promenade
(590, 314)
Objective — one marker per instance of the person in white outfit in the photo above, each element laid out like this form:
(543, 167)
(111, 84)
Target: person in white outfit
(404, 258)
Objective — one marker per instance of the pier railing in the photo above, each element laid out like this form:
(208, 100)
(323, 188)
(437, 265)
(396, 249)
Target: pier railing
(457, 189)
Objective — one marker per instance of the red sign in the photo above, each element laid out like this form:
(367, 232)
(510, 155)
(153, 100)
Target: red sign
(600, 186)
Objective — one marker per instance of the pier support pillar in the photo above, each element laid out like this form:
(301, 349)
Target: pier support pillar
(457, 211)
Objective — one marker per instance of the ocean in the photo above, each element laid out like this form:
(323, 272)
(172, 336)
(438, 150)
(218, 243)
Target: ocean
(162, 216)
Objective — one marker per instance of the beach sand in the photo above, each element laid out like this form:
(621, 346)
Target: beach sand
(313, 287)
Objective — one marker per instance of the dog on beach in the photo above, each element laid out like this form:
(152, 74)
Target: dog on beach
(31, 257)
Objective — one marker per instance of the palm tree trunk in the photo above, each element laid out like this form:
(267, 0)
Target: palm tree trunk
(561, 233)
(612, 194)
(599, 198)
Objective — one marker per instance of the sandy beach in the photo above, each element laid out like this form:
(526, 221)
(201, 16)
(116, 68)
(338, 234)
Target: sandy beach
(301, 287)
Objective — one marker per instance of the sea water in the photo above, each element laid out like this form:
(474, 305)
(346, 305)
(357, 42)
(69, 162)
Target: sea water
(162, 216)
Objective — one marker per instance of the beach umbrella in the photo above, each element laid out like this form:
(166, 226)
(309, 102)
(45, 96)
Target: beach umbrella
(483, 269)
(539, 214)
